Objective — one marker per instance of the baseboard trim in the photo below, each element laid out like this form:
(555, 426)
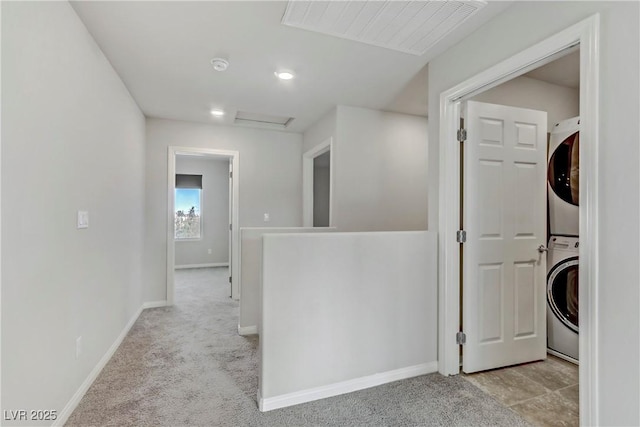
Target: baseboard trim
(211, 264)
(247, 330)
(64, 415)
(309, 395)
(154, 304)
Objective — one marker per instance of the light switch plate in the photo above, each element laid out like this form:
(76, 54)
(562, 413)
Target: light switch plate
(83, 219)
(266, 217)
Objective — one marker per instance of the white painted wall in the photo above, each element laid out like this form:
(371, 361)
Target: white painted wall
(339, 308)
(72, 139)
(270, 182)
(520, 26)
(560, 102)
(251, 271)
(320, 131)
(214, 212)
(381, 171)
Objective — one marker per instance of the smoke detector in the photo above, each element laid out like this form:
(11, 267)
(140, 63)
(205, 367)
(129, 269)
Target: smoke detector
(219, 64)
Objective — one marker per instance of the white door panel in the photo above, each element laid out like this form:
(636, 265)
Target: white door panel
(505, 220)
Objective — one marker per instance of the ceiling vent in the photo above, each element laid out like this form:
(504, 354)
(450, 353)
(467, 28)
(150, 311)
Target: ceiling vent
(262, 120)
(406, 26)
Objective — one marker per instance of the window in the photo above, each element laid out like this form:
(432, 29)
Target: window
(188, 201)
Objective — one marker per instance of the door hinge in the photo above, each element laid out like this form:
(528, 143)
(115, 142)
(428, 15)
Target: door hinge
(229, 279)
(230, 226)
(461, 236)
(462, 135)
(230, 174)
(461, 338)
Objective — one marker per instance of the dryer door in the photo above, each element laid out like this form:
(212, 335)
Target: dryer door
(564, 169)
(562, 292)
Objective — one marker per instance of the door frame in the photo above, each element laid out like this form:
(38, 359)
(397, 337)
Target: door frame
(586, 35)
(234, 157)
(307, 181)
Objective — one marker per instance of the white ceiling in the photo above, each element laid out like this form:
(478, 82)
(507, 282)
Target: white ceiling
(162, 52)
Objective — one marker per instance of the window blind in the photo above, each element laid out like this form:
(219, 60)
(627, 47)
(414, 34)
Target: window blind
(188, 181)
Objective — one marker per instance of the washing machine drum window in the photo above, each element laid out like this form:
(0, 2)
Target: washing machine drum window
(562, 292)
(564, 169)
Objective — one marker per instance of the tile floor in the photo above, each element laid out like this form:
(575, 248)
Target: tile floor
(544, 393)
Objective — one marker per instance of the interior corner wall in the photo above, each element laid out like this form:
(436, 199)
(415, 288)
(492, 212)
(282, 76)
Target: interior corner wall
(214, 212)
(72, 139)
(560, 102)
(380, 171)
(270, 182)
(520, 26)
(320, 131)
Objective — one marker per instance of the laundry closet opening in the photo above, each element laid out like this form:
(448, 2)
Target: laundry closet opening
(519, 255)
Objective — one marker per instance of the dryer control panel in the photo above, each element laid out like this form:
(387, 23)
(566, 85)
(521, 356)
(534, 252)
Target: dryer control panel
(564, 242)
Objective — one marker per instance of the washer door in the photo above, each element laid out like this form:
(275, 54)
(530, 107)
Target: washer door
(564, 169)
(562, 292)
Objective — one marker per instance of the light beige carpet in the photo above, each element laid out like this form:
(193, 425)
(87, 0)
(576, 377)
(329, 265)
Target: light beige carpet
(187, 366)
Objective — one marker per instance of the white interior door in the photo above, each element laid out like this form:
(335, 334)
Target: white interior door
(504, 216)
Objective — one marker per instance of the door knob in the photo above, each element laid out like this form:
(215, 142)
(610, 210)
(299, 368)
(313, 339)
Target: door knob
(543, 248)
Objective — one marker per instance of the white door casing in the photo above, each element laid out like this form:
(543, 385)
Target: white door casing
(504, 218)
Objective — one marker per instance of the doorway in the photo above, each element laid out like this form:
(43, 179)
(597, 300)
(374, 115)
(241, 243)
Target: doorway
(540, 329)
(202, 212)
(232, 160)
(321, 189)
(584, 34)
(317, 185)
(513, 131)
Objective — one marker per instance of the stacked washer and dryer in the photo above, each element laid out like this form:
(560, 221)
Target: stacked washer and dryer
(562, 260)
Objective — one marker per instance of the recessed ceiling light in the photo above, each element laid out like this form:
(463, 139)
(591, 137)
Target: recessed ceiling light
(284, 75)
(219, 64)
(217, 113)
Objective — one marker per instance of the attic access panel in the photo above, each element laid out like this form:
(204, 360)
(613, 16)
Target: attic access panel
(262, 120)
(411, 27)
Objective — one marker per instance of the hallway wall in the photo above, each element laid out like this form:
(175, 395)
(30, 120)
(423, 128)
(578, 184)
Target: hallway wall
(379, 170)
(270, 182)
(72, 139)
(345, 311)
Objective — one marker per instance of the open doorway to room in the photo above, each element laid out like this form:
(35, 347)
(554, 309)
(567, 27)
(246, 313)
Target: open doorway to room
(321, 189)
(201, 206)
(202, 217)
(202, 210)
(317, 177)
(517, 313)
